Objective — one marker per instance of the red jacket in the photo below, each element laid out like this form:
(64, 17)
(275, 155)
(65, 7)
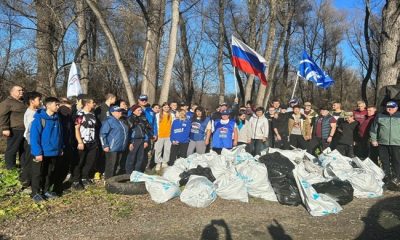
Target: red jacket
(360, 116)
(363, 129)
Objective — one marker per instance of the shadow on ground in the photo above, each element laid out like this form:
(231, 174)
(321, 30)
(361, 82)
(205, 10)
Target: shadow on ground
(211, 232)
(382, 220)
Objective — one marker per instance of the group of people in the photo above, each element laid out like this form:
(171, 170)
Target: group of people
(58, 139)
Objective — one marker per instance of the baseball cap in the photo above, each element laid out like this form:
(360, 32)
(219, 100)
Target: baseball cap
(223, 104)
(391, 104)
(116, 109)
(143, 97)
(294, 101)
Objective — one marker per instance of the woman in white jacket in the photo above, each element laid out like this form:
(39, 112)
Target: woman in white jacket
(244, 130)
(259, 131)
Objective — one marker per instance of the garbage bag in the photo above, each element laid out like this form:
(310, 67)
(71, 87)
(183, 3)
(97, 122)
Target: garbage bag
(160, 189)
(341, 191)
(172, 174)
(255, 177)
(365, 184)
(368, 165)
(229, 186)
(199, 171)
(199, 192)
(317, 204)
(280, 175)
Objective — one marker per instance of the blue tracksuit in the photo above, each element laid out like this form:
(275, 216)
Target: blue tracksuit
(114, 134)
(180, 130)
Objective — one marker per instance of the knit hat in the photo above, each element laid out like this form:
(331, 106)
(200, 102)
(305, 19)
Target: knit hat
(134, 107)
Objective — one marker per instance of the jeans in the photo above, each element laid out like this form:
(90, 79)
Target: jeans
(112, 160)
(177, 151)
(258, 146)
(15, 143)
(136, 161)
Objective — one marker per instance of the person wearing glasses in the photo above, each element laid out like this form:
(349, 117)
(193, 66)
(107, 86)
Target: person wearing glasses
(12, 111)
(385, 134)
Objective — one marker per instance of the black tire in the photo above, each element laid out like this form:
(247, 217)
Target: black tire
(121, 185)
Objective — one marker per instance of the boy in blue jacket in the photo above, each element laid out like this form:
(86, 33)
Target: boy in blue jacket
(46, 148)
(180, 132)
(114, 139)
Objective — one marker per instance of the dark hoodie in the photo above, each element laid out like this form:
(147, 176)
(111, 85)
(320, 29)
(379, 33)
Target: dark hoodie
(46, 135)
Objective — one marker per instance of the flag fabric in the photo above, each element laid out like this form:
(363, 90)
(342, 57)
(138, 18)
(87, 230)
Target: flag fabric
(310, 71)
(74, 86)
(247, 60)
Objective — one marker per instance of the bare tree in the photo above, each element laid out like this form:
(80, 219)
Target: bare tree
(115, 49)
(171, 52)
(389, 59)
(82, 37)
(221, 32)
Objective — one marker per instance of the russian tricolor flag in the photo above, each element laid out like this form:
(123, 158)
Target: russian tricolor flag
(248, 60)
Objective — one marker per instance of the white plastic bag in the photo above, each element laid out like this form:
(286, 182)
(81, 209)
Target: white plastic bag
(199, 192)
(255, 176)
(160, 189)
(365, 184)
(317, 204)
(172, 174)
(370, 166)
(231, 187)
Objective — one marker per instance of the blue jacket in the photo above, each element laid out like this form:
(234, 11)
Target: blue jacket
(46, 135)
(114, 134)
(189, 115)
(180, 130)
(151, 118)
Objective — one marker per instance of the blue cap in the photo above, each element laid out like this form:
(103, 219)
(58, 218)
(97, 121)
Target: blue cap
(143, 97)
(391, 104)
(225, 112)
(116, 109)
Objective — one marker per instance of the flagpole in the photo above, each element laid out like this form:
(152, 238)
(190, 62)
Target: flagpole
(295, 86)
(234, 75)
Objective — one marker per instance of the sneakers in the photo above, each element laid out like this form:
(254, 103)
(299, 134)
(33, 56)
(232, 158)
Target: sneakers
(97, 176)
(77, 186)
(37, 198)
(87, 182)
(50, 195)
(158, 167)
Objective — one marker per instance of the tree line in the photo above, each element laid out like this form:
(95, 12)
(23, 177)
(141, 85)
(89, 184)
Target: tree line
(181, 49)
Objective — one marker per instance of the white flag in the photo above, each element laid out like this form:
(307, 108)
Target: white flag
(74, 86)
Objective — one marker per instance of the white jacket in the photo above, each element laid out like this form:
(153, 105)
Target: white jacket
(259, 127)
(244, 134)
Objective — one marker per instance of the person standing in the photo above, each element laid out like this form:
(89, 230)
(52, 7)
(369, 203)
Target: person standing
(12, 111)
(385, 134)
(138, 142)
(224, 133)
(114, 140)
(33, 100)
(345, 132)
(46, 149)
(337, 111)
(363, 147)
(259, 131)
(180, 132)
(244, 130)
(323, 132)
(200, 132)
(309, 112)
(102, 112)
(86, 136)
(299, 129)
(162, 146)
(360, 114)
(280, 124)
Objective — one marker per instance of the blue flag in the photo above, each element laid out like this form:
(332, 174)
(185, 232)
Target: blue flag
(310, 71)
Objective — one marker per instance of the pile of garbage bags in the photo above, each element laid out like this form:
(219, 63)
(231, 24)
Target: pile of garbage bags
(291, 177)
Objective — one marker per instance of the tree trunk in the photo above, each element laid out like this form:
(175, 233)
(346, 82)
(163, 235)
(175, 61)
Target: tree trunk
(221, 51)
(155, 21)
(171, 52)
(268, 50)
(82, 37)
(286, 48)
(45, 29)
(115, 49)
(389, 59)
(187, 63)
(252, 6)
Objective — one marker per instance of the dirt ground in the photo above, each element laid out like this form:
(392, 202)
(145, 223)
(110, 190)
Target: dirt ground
(94, 214)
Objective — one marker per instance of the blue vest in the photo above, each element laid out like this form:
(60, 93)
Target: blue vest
(222, 136)
(198, 130)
